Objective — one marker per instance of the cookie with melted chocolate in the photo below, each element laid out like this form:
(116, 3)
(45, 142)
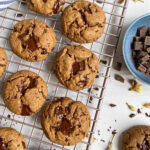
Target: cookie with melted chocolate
(65, 122)
(76, 67)
(83, 21)
(3, 61)
(137, 138)
(24, 93)
(32, 40)
(10, 139)
(46, 7)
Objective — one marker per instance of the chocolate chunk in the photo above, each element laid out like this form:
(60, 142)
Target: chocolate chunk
(57, 4)
(142, 31)
(139, 111)
(44, 51)
(24, 145)
(19, 15)
(141, 68)
(145, 144)
(87, 8)
(147, 66)
(84, 83)
(137, 38)
(144, 59)
(141, 54)
(147, 115)
(66, 126)
(132, 115)
(114, 132)
(138, 46)
(44, 1)
(147, 40)
(21, 36)
(67, 110)
(148, 49)
(118, 66)
(119, 78)
(26, 111)
(78, 66)
(58, 110)
(103, 62)
(31, 44)
(3, 146)
(112, 105)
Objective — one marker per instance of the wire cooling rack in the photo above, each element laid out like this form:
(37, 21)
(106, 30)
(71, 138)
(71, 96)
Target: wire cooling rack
(104, 48)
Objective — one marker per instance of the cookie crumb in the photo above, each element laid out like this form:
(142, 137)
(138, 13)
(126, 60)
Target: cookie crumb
(138, 1)
(110, 145)
(119, 78)
(94, 139)
(114, 132)
(137, 88)
(131, 107)
(147, 105)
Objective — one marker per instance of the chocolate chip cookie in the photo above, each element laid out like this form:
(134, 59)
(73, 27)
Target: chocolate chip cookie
(137, 138)
(3, 61)
(24, 93)
(65, 122)
(76, 67)
(83, 22)
(32, 40)
(10, 139)
(46, 7)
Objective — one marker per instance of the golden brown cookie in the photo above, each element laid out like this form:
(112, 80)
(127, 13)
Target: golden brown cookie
(24, 93)
(137, 138)
(83, 22)
(10, 139)
(3, 61)
(32, 40)
(76, 67)
(46, 7)
(65, 122)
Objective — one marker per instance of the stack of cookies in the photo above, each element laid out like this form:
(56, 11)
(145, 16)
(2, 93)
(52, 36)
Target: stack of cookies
(64, 121)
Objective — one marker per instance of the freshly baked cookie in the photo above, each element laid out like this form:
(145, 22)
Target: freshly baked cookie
(24, 93)
(10, 139)
(76, 67)
(46, 7)
(32, 40)
(83, 22)
(137, 138)
(65, 122)
(3, 61)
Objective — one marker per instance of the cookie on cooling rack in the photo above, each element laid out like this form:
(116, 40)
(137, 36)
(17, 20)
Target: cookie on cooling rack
(65, 122)
(24, 93)
(137, 138)
(3, 61)
(83, 22)
(76, 67)
(10, 139)
(32, 40)
(46, 7)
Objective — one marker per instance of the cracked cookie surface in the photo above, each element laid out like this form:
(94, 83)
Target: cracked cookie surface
(83, 22)
(3, 61)
(76, 67)
(32, 40)
(46, 7)
(24, 93)
(65, 122)
(137, 138)
(10, 139)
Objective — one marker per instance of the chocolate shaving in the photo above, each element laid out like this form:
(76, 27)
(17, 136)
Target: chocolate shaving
(119, 78)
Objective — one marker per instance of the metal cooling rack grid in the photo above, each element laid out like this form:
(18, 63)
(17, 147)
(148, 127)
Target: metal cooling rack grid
(104, 48)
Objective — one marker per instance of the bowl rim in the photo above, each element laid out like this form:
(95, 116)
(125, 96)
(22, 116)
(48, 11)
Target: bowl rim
(123, 47)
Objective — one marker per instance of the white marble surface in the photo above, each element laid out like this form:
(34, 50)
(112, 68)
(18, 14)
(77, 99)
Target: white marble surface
(118, 93)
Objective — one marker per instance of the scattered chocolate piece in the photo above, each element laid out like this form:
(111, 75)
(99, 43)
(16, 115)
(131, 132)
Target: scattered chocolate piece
(89, 90)
(148, 49)
(141, 68)
(103, 62)
(114, 132)
(119, 78)
(139, 111)
(102, 140)
(137, 38)
(96, 88)
(121, 1)
(133, 82)
(118, 66)
(147, 115)
(132, 115)
(112, 105)
(97, 76)
(19, 15)
(9, 116)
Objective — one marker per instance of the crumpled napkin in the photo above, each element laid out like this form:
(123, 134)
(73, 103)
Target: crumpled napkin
(5, 3)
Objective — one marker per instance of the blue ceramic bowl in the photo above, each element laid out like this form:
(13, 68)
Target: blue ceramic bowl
(127, 51)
